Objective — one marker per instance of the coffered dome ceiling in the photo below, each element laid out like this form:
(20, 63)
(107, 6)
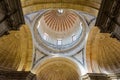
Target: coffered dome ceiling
(60, 20)
(59, 24)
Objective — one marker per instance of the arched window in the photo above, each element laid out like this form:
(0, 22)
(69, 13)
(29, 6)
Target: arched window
(59, 41)
(45, 37)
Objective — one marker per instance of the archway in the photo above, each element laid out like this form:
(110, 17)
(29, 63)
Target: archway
(58, 68)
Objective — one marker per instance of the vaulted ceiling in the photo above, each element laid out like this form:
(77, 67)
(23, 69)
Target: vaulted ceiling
(59, 21)
(16, 50)
(89, 6)
(16, 46)
(58, 69)
(103, 52)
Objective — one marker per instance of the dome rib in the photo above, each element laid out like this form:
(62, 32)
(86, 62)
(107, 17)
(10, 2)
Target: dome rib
(60, 21)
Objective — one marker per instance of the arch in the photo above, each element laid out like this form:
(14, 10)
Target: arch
(16, 50)
(103, 52)
(51, 66)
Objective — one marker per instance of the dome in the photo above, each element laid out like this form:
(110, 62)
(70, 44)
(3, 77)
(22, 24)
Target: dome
(59, 29)
(60, 20)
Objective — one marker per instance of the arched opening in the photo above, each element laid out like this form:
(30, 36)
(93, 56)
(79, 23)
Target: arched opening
(58, 68)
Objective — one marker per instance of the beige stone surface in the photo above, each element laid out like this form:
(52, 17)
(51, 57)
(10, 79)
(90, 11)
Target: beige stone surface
(103, 52)
(16, 50)
(89, 6)
(58, 69)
